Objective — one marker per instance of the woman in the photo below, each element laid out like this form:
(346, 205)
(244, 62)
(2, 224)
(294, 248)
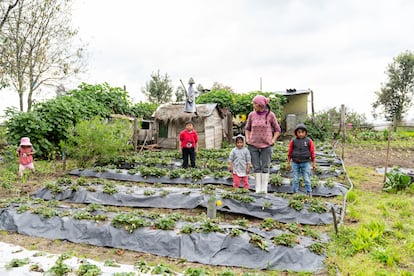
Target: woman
(262, 131)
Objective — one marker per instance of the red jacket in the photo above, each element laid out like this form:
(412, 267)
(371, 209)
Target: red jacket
(188, 139)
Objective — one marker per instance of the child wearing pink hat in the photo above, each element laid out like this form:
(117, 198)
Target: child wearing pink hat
(25, 152)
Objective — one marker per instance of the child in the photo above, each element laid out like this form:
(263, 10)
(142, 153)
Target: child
(240, 162)
(189, 144)
(25, 152)
(302, 152)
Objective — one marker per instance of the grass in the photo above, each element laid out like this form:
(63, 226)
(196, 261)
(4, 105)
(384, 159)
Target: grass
(378, 236)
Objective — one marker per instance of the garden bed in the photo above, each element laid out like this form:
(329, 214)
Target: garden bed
(205, 241)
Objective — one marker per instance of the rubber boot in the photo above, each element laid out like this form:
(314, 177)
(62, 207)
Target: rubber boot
(258, 179)
(265, 182)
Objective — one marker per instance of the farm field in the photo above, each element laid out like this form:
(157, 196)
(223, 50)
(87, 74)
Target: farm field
(367, 183)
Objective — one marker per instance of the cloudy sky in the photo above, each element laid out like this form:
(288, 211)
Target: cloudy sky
(338, 48)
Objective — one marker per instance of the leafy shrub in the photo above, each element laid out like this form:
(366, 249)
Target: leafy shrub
(30, 124)
(50, 121)
(319, 127)
(95, 140)
(143, 110)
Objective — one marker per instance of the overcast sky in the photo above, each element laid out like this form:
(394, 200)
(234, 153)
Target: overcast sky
(339, 49)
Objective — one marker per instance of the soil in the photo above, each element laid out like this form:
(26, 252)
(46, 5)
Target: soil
(355, 156)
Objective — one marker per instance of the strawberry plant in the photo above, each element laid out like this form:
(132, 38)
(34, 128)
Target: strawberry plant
(164, 223)
(129, 221)
(259, 241)
(285, 239)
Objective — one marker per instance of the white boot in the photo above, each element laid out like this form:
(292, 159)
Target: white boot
(265, 182)
(258, 179)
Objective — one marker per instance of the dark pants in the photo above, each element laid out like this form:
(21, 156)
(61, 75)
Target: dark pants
(188, 152)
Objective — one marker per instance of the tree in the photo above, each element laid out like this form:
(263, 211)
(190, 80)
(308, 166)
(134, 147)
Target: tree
(180, 94)
(158, 90)
(37, 48)
(395, 97)
(220, 86)
(6, 11)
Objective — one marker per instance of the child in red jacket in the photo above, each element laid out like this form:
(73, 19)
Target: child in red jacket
(189, 144)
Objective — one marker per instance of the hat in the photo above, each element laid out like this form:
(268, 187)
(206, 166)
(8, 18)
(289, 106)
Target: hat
(25, 141)
(301, 126)
(261, 100)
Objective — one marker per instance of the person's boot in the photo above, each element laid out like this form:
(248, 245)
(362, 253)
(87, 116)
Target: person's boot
(258, 179)
(265, 182)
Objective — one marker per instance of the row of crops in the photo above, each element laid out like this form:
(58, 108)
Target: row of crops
(128, 203)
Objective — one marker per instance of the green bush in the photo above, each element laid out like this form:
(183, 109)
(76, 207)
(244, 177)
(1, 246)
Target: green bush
(97, 140)
(30, 124)
(50, 121)
(320, 127)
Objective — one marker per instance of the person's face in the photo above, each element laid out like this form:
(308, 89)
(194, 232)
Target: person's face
(239, 144)
(258, 108)
(189, 127)
(300, 133)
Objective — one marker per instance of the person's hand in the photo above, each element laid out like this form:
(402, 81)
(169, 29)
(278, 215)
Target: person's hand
(247, 170)
(313, 166)
(288, 166)
(230, 168)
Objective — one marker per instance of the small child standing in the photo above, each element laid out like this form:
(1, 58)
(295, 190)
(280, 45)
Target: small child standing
(25, 152)
(189, 144)
(301, 152)
(240, 162)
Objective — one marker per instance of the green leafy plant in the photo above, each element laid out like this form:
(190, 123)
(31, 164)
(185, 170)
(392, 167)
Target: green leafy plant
(235, 232)
(296, 204)
(318, 248)
(396, 181)
(60, 268)
(286, 239)
(88, 269)
(317, 206)
(276, 179)
(86, 140)
(17, 263)
(208, 226)
(164, 223)
(129, 221)
(259, 241)
(109, 188)
(269, 224)
(196, 272)
(187, 229)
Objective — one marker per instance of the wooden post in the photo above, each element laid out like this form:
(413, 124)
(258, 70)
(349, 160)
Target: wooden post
(388, 153)
(334, 220)
(312, 106)
(135, 136)
(342, 129)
